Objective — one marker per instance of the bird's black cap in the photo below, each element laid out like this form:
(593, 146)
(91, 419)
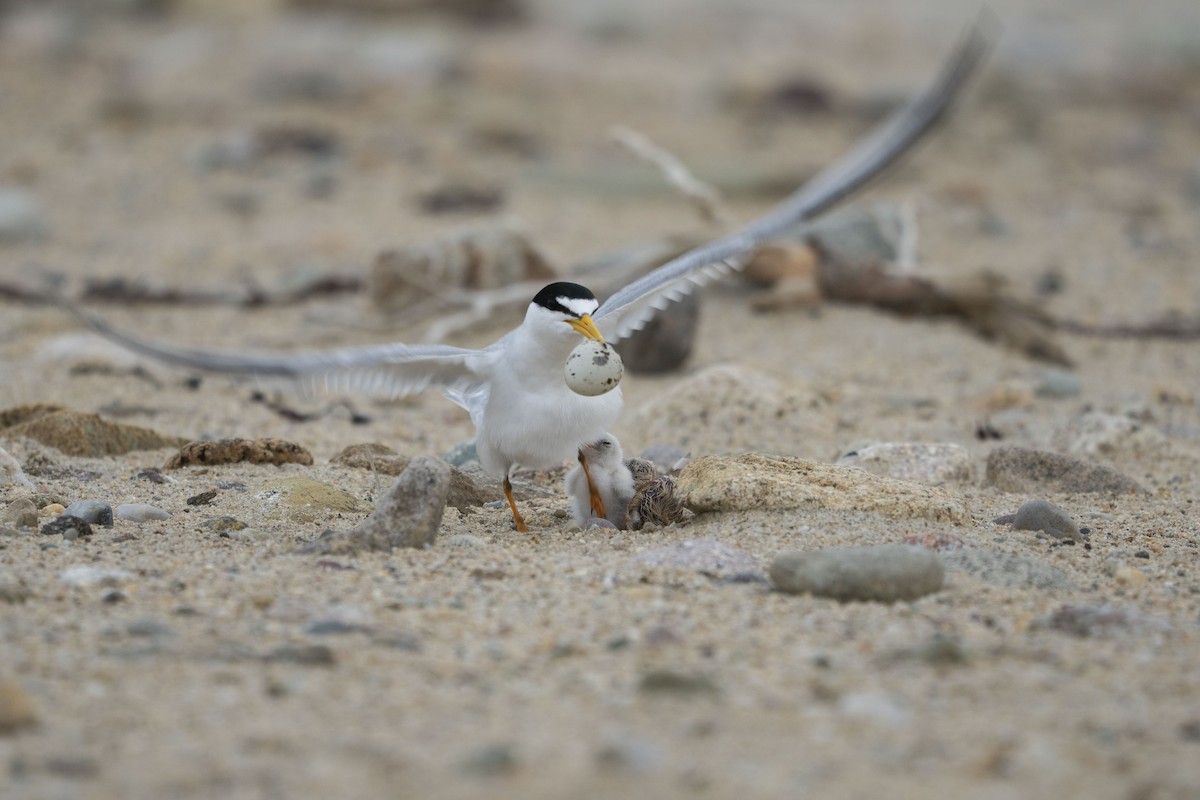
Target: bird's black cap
(550, 297)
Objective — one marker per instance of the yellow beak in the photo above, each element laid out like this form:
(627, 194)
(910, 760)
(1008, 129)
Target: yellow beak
(586, 327)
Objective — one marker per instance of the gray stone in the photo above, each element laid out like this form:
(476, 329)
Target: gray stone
(95, 512)
(1019, 469)
(1059, 383)
(20, 513)
(751, 482)
(1042, 515)
(885, 573)
(462, 453)
(22, 216)
(666, 457)
(935, 464)
(1101, 433)
(140, 512)
(409, 515)
(1006, 569)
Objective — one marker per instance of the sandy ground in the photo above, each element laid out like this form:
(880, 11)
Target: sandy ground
(517, 666)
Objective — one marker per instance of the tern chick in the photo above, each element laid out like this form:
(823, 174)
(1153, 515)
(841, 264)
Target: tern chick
(610, 478)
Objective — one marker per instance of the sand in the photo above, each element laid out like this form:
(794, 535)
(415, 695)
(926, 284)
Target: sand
(199, 663)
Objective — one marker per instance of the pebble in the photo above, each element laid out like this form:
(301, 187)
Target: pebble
(16, 708)
(598, 522)
(665, 457)
(1022, 470)
(753, 482)
(935, 464)
(1042, 515)
(493, 759)
(202, 499)
(1058, 383)
(140, 512)
(52, 509)
(308, 655)
(149, 627)
(22, 216)
(20, 513)
(94, 512)
(234, 451)
(885, 573)
(670, 681)
(707, 556)
(409, 515)
(76, 433)
(666, 341)
(223, 526)
(70, 527)
(859, 235)
(462, 454)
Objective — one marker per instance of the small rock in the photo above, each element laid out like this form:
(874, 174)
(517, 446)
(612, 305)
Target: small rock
(598, 522)
(11, 472)
(1058, 383)
(670, 681)
(1018, 469)
(78, 434)
(1042, 515)
(462, 454)
(885, 573)
(233, 451)
(308, 655)
(409, 515)
(1007, 569)
(334, 627)
(52, 509)
(70, 527)
(666, 341)
(94, 576)
(150, 628)
(16, 708)
(859, 235)
(94, 512)
(153, 475)
(202, 499)
(707, 556)
(753, 482)
(20, 513)
(22, 217)
(305, 500)
(936, 464)
(140, 512)
(494, 759)
(461, 197)
(223, 525)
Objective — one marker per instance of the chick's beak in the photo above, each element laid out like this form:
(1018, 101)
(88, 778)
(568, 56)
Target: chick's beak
(586, 327)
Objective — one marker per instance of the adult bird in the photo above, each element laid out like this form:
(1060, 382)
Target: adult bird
(514, 389)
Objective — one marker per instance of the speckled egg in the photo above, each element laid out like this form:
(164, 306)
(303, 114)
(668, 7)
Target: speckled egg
(593, 368)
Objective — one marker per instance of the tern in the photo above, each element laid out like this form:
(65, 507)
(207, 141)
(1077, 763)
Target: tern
(607, 475)
(514, 389)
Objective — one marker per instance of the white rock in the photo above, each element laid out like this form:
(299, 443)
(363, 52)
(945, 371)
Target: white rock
(140, 512)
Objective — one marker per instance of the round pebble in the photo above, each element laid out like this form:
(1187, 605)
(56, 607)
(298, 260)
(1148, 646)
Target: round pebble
(94, 512)
(886, 573)
(53, 509)
(140, 512)
(1042, 515)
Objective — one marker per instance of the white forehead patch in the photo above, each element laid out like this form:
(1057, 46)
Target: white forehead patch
(578, 305)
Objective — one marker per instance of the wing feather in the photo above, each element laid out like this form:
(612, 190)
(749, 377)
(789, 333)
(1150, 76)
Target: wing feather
(391, 369)
(631, 307)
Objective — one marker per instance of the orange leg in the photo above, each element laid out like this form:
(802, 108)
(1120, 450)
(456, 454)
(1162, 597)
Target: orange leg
(518, 520)
(593, 492)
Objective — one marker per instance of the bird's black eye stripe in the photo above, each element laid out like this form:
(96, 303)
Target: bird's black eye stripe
(551, 297)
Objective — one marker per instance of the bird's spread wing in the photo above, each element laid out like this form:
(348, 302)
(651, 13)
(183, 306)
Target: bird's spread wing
(390, 370)
(631, 307)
